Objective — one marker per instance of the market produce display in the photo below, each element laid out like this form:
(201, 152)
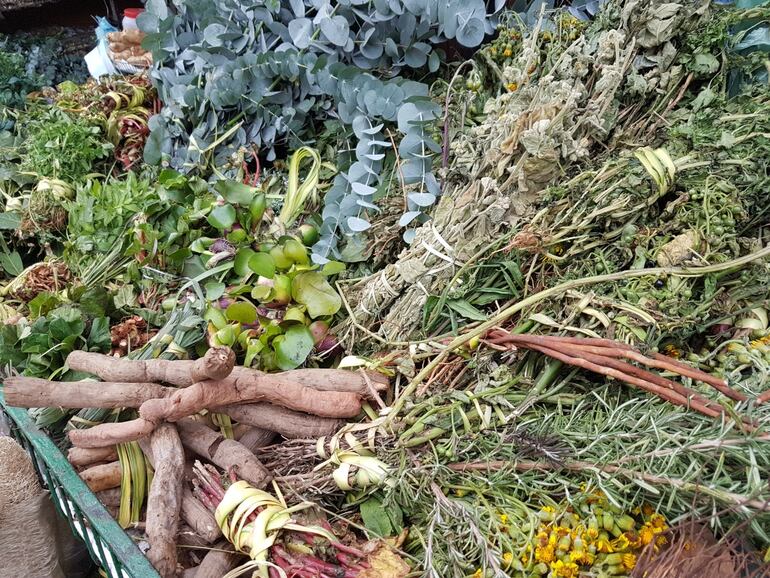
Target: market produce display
(404, 288)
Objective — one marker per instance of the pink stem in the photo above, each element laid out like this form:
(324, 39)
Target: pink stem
(349, 550)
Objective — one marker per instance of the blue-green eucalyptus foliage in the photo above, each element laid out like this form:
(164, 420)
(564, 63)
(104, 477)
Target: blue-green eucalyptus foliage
(232, 73)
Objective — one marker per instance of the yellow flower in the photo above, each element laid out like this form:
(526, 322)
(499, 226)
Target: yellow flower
(460, 493)
(634, 541)
(629, 561)
(761, 341)
(592, 534)
(478, 574)
(646, 534)
(604, 546)
(565, 569)
(661, 541)
(672, 350)
(507, 558)
(545, 554)
(507, 52)
(581, 557)
(621, 543)
(658, 521)
(504, 519)
(512, 87)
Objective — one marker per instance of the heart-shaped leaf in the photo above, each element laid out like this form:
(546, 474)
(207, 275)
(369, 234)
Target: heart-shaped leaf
(242, 312)
(293, 347)
(241, 262)
(214, 290)
(235, 192)
(262, 264)
(312, 290)
(222, 217)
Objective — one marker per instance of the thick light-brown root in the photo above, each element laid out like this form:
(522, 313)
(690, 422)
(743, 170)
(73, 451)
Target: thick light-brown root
(215, 365)
(81, 457)
(102, 477)
(324, 379)
(218, 561)
(109, 498)
(254, 438)
(34, 392)
(110, 434)
(290, 424)
(200, 520)
(165, 499)
(190, 538)
(225, 453)
(247, 387)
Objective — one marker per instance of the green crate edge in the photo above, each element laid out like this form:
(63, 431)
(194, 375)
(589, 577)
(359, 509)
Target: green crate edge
(121, 547)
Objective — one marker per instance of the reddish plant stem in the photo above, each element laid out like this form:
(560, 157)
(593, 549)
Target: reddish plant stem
(662, 392)
(349, 550)
(602, 356)
(348, 562)
(594, 355)
(658, 360)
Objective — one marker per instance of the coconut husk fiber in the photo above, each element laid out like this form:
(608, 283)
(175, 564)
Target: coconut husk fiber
(18, 479)
(692, 551)
(27, 519)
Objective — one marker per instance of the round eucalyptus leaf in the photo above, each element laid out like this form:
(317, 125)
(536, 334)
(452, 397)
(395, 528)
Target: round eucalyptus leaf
(472, 33)
(416, 7)
(408, 217)
(415, 58)
(212, 34)
(336, 30)
(298, 7)
(406, 26)
(362, 189)
(434, 61)
(422, 199)
(358, 225)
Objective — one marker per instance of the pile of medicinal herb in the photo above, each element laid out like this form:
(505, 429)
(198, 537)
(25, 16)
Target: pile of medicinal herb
(59, 146)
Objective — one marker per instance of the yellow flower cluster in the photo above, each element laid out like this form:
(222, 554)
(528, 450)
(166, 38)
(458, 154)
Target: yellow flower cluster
(762, 341)
(591, 536)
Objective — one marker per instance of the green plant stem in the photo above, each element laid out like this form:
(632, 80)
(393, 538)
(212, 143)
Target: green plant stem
(723, 496)
(505, 314)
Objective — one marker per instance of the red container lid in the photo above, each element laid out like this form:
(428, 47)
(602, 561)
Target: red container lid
(132, 12)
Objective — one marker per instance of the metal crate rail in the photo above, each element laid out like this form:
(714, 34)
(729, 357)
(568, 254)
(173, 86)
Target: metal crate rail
(110, 547)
